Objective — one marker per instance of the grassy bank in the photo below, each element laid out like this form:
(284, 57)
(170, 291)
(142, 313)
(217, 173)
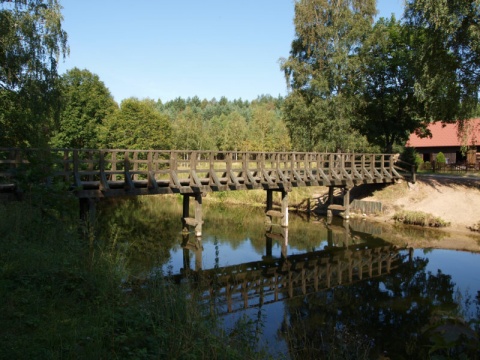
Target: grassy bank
(297, 198)
(62, 298)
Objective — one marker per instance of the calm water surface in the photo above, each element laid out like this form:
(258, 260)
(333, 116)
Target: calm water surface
(367, 299)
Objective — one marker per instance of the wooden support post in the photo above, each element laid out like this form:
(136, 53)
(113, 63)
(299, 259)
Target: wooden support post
(330, 194)
(330, 202)
(270, 213)
(269, 207)
(346, 203)
(186, 212)
(197, 221)
(198, 214)
(284, 209)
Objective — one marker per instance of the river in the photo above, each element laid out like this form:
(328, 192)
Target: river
(314, 290)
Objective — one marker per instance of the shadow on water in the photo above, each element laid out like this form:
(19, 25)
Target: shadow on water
(314, 290)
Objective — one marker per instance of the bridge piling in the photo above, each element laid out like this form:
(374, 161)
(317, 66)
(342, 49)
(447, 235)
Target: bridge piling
(345, 208)
(196, 221)
(270, 213)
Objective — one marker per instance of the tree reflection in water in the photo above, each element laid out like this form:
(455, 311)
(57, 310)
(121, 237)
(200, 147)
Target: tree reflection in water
(410, 314)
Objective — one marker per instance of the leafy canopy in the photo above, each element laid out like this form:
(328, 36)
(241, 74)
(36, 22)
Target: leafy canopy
(86, 102)
(31, 43)
(137, 125)
(322, 70)
(389, 111)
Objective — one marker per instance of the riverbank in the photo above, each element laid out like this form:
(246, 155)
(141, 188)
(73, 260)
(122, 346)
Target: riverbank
(64, 296)
(454, 199)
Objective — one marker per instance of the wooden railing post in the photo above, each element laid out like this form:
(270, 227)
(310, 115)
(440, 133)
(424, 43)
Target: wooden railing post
(228, 166)
(128, 185)
(103, 179)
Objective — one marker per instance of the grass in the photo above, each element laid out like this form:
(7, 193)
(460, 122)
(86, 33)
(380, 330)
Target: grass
(63, 298)
(258, 197)
(419, 218)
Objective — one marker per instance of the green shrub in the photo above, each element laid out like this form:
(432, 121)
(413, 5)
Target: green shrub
(410, 156)
(427, 166)
(419, 218)
(441, 158)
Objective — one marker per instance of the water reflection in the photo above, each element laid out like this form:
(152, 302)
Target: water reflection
(315, 290)
(272, 279)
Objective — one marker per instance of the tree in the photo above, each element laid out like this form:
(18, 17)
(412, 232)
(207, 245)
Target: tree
(266, 130)
(321, 72)
(229, 132)
(388, 113)
(190, 131)
(137, 125)
(31, 43)
(448, 52)
(86, 103)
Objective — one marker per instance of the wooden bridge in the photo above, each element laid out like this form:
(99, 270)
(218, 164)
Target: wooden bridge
(95, 174)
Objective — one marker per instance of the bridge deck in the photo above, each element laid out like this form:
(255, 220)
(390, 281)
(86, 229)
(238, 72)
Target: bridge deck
(107, 173)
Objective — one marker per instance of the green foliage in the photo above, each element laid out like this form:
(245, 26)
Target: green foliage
(32, 40)
(322, 73)
(410, 156)
(227, 125)
(64, 299)
(446, 36)
(266, 131)
(388, 112)
(190, 131)
(440, 159)
(419, 218)
(427, 165)
(137, 125)
(86, 102)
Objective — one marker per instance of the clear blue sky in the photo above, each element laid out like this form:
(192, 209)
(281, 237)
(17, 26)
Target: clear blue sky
(163, 49)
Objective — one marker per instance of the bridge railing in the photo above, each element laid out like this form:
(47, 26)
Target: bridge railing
(110, 169)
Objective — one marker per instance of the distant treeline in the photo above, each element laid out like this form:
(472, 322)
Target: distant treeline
(90, 118)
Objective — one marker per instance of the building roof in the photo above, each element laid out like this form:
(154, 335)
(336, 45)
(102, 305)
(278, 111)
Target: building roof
(447, 135)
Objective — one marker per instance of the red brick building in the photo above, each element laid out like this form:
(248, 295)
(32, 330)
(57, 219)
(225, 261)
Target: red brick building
(446, 139)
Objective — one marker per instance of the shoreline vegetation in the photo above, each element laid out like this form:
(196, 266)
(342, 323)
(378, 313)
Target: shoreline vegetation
(62, 298)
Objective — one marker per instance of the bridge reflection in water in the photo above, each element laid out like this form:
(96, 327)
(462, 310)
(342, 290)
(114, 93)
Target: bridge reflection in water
(344, 260)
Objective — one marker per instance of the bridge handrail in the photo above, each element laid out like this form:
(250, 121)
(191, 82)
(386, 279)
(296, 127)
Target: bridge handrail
(178, 168)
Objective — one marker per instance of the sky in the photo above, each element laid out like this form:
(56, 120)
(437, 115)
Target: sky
(164, 49)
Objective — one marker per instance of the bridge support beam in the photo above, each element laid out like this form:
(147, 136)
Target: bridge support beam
(346, 203)
(270, 213)
(196, 221)
(345, 208)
